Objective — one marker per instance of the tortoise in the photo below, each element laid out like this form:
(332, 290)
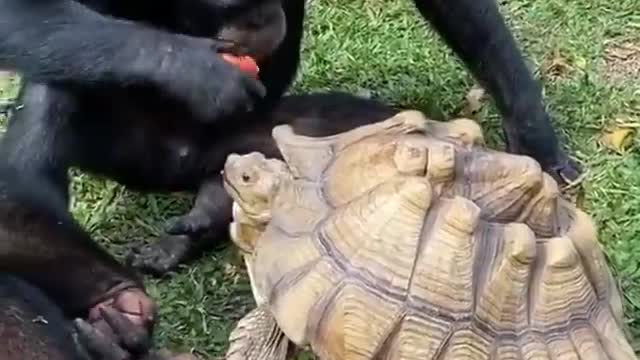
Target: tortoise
(411, 239)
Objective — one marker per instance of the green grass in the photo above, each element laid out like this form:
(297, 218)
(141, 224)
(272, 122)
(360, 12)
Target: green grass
(384, 47)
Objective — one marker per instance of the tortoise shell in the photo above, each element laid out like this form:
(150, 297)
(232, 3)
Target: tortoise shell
(408, 239)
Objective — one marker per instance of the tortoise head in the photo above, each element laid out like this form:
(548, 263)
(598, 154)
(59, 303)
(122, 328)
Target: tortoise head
(252, 180)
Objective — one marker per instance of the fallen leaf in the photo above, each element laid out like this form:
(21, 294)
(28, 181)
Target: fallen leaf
(474, 102)
(557, 65)
(620, 135)
(580, 63)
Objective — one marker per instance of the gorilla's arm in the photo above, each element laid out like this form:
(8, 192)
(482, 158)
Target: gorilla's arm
(58, 257)
(57, 40)
(41, 244)
(63, 41)
(279, 71)
(477, 32)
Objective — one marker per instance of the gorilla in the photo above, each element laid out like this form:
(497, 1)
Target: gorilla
(139, 92)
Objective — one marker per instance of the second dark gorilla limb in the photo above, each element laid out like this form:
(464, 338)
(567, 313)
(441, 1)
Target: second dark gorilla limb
(188, 235)
(41, 244)
(478, 34)
(69, 43)
(32, 327)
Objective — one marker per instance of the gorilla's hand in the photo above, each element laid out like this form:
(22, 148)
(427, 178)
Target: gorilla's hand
(119, 327)
(196, 74)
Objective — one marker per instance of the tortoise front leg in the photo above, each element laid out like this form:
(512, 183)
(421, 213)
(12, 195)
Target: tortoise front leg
(258, 337)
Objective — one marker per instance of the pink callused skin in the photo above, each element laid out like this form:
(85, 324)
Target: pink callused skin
(136, 307)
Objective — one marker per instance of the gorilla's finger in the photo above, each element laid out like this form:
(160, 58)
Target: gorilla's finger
(134, 337)
(97, 344)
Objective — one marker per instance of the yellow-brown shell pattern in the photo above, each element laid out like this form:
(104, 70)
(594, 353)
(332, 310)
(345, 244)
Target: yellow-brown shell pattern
(408, 239)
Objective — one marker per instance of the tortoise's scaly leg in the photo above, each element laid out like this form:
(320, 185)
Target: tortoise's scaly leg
(258, 337)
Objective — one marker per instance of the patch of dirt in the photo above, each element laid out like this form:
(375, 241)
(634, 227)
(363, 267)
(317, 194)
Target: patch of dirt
(622, 61)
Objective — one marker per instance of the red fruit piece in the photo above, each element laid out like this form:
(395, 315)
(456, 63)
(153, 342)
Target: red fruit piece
(244, 63)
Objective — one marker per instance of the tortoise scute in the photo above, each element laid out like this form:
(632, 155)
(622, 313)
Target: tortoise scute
(411, 158)
(304, 199)
(444, 266)
(364, 309)
(563, 292)
(441, 164)
(308, 156)
(541, 212)
(468, 344)
(379, 242)
(465, 132)
(501, 303)
(582, 232)
(414, 241)
(501, 184)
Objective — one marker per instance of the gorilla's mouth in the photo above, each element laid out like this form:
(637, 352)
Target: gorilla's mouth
(233, 47)
(240, 45)
(257, 33)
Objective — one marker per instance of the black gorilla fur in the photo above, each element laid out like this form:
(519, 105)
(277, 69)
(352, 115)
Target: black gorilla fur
(51, 272)
(32, 327)
(135, 91)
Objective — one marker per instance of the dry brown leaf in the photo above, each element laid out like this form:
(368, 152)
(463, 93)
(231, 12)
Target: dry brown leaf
(474, 101)
(620, 135)
(560, 64)
(557, 65)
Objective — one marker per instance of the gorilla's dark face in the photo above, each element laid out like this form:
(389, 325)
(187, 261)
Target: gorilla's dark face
(256, 29)
(251, 27)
